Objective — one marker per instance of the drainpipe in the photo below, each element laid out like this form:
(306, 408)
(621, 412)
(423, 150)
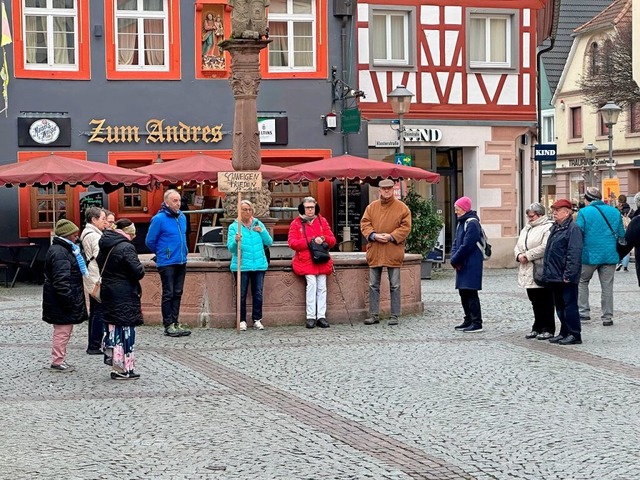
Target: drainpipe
(343, 41)
(539, 108)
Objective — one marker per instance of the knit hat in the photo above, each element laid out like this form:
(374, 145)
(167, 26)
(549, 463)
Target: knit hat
(464, 203)
(64, 228)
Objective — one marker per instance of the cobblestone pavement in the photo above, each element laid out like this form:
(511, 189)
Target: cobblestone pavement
(352, 402)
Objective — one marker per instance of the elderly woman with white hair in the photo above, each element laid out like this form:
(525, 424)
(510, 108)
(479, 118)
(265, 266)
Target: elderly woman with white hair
(252, 236)
(529, 254)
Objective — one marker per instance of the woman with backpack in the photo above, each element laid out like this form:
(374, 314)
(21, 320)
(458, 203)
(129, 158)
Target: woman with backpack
(467, 257)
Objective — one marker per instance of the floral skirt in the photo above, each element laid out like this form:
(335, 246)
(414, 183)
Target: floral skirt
(119, 344)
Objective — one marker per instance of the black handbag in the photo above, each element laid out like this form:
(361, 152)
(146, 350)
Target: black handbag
(319, 251)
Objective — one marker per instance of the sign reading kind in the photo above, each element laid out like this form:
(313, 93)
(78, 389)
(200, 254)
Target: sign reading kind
(157, 132)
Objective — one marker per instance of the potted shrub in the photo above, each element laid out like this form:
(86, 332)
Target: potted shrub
(426, 224)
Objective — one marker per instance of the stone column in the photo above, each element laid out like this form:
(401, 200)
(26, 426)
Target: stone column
(245, 82)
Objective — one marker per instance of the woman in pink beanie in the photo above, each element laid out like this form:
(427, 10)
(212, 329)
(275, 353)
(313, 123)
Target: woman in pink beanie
(467, 258)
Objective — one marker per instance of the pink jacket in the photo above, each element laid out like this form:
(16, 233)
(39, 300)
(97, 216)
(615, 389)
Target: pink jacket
(302, 263)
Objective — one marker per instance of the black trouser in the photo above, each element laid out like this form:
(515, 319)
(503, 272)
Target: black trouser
(544, 312)
(96, 324)
(471, 306)
(172, 277)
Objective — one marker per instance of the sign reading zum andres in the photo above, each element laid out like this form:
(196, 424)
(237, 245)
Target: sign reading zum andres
(239, 181)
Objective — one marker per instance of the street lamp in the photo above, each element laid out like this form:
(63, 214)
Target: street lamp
(610, 114)
(590, 154)
(400, 99)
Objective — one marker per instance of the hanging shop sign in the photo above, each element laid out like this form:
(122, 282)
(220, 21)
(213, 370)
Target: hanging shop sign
(546, 151)
(156, 131)
(44, 130)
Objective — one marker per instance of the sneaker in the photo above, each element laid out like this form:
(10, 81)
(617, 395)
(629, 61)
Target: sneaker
(258, 325)
(183, 330)
(473, 328)
(545, 336)
(393, 321)
(172, 331)
(63, 367)
(124, 376)
(533, 334)
(626, 269)
(607, 323)
(372, 320)
(243, 326)
(618, 267)
(462, 326)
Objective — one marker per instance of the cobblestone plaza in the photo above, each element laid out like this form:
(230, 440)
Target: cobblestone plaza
(351, 402)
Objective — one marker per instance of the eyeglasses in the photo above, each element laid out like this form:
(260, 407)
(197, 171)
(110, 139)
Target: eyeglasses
(309, 207)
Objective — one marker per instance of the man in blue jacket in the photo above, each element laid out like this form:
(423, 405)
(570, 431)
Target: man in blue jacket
(601, 227)
(166, 238)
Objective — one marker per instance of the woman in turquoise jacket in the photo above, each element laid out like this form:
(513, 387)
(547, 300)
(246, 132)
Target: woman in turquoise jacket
(253, 237)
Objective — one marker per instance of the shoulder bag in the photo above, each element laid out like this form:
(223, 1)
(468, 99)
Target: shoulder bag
(319, 251)
(95, 293)
(538, 266)
(621, 242)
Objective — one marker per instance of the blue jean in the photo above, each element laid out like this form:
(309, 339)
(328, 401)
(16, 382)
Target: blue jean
(375, 275)
(172, 277)
(565, 296)
(256, 278)
(625, 261)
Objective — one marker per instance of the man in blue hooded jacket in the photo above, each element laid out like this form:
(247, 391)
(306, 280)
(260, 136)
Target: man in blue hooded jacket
(601, 227)
(166, 238)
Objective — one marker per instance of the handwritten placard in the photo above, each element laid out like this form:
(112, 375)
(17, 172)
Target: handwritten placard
(239, 181)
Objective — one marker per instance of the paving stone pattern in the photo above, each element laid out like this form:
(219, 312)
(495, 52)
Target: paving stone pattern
(416, 401)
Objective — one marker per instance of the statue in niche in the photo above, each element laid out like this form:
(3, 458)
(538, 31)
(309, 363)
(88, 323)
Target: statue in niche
(212, 35)
(249, 19)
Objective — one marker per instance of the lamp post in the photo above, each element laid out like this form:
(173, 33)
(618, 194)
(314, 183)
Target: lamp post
(590, 154)
(610, 114)
(400, 99)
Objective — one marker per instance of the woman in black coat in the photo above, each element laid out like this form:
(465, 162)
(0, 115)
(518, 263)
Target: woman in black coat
(63, 302)
(121, 272)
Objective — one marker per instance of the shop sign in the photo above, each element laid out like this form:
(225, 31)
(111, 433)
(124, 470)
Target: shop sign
(44, 130)
(583, 162)
(273, 128)
(350, 120)
(156, 132)
(422, 135)
(546, 151)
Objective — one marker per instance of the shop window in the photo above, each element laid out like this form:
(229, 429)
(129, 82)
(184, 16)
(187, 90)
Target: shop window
(575, 117)
(48, 205)
(143, 39)
(391, 35)
(299, 40)
(288, 195)
(52, 39)
(492, 42)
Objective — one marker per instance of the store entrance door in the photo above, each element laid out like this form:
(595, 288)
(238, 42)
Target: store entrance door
(449, 189)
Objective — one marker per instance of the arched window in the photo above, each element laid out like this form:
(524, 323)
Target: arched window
(593, 59)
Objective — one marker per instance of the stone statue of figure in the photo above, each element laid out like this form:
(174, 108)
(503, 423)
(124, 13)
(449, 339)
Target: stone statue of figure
(249, 19)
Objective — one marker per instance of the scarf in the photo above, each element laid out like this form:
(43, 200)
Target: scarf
(75, 249)
(170, 212)
(308, 218)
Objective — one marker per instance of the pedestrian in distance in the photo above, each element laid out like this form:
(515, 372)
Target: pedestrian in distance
(96, 223)
(562, 266)
(601, 226)
(167, 239)
(253, 237)
(529, 254)
(466, 259)
(110, 218)
(63, 302)
(386, 224)
(625, 210)
(309, 227)
(121, 292)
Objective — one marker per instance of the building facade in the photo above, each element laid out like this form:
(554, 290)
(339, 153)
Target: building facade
(472, 68)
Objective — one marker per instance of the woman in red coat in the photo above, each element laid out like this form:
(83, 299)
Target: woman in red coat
(309, 227)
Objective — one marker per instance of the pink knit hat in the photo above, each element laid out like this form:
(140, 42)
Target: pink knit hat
(464, 203)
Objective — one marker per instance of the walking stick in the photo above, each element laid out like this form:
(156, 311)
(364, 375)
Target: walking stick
(333, 270)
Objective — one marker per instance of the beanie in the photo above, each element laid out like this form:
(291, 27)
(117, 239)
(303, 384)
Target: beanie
(464, 203)
(64, 228)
